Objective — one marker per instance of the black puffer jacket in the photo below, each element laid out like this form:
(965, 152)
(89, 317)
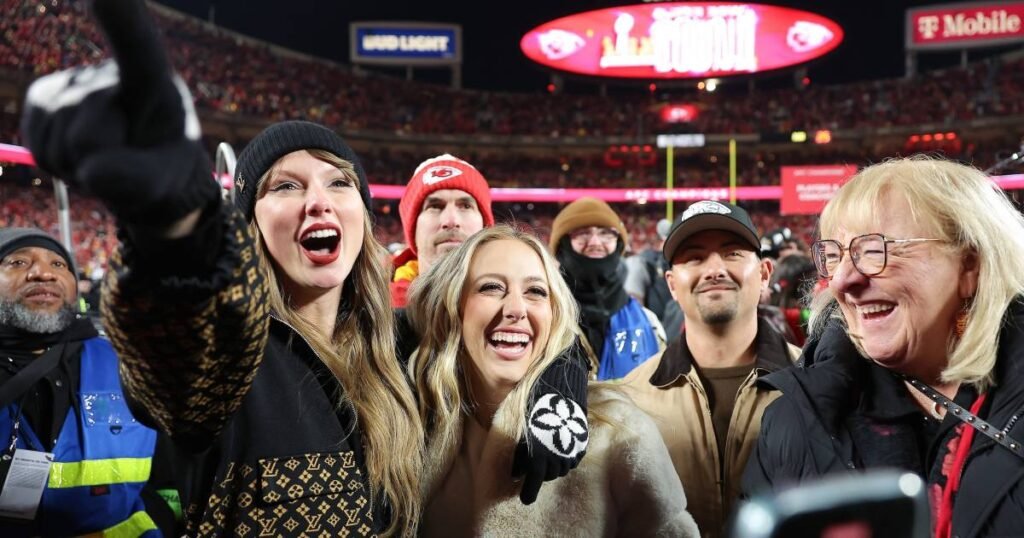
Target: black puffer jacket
(840, 412)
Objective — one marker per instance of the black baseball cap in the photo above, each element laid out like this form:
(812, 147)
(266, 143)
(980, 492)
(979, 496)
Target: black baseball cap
(711, 215)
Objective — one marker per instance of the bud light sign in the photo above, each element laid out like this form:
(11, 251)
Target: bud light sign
(405, 43)
(681, 40)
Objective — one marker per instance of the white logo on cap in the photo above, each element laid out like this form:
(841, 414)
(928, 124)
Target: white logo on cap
(440, 173)
(701, 208)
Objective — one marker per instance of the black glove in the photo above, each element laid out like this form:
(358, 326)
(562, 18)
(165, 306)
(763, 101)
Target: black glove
(557, 431)
(124, 131)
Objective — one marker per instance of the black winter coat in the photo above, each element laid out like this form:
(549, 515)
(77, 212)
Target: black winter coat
(262, 447)
(831, 419)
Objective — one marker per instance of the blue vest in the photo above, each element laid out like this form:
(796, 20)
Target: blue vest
(630, 341)
(101, 460)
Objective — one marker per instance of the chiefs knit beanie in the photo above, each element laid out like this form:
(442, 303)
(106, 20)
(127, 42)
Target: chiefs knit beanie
(583, 213)
(279, 140)
(440, 173)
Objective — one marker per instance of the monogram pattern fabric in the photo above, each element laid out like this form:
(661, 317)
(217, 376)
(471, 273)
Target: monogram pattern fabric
(190, 349)
(321, 495)
(190, 358)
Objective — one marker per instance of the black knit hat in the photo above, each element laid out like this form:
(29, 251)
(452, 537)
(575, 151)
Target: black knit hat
(12, 239)
(279, 140)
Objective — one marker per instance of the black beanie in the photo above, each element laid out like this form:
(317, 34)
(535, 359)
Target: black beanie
(12, 239)
(279, 140)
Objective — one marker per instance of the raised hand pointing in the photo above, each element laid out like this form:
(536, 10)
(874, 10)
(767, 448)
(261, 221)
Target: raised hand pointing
(125, 130)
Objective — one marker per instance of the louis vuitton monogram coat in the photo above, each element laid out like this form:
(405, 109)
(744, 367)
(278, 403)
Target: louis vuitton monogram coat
(263, 448)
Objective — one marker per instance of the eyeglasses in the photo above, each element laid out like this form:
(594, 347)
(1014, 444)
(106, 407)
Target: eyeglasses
(583, 235)
(869, 253)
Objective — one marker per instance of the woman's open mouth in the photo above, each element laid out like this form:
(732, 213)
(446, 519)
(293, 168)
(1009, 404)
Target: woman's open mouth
(875, 311)
(509, 345)
(321, 245)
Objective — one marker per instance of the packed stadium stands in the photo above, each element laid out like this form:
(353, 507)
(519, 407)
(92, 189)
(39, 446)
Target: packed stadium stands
(237, 80)
(246, 78)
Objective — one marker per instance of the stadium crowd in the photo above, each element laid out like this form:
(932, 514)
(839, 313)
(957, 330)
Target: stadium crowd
(239, 76)
(94, 234)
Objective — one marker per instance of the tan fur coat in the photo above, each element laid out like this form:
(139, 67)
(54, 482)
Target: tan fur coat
(625, 485)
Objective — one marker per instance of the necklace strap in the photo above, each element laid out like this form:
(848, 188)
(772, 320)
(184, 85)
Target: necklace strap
(1001, 437)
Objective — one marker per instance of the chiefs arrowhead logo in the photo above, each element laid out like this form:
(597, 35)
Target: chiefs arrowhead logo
(558, 44)
(436, 174)
(806, 36)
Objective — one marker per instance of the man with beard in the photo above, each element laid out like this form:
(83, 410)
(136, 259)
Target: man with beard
(64, 421)
(446, 201)
(701, 391)
(588, 240)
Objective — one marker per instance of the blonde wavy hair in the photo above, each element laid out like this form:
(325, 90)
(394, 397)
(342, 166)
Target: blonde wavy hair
(962, 206)
(438, 365)
(362, 355)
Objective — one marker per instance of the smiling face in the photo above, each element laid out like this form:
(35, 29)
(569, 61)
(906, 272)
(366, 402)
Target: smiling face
(310, 214)
(447, 218)
(716, 277)
(506, 315)
(37, 290)
(903, 317)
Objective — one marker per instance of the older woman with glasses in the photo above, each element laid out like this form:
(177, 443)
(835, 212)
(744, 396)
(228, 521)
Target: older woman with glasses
(917, 352)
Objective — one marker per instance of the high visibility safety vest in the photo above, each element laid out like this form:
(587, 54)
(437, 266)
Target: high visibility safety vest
(101, 460)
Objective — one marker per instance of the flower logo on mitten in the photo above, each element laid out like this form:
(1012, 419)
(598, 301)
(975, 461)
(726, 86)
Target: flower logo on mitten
(560, 425)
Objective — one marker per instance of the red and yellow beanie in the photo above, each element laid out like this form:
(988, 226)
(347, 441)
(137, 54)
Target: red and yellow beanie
(439, 173)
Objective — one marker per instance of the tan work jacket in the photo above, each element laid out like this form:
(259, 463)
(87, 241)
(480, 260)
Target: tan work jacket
(668, 389)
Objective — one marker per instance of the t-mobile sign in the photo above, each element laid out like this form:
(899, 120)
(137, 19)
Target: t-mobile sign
(959, 26)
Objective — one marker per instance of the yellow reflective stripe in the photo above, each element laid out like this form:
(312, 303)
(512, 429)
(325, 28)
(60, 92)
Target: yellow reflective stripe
(98, 472)
(134, 526)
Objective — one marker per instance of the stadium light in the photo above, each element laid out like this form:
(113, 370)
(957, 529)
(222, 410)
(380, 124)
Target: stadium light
(798, 137)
